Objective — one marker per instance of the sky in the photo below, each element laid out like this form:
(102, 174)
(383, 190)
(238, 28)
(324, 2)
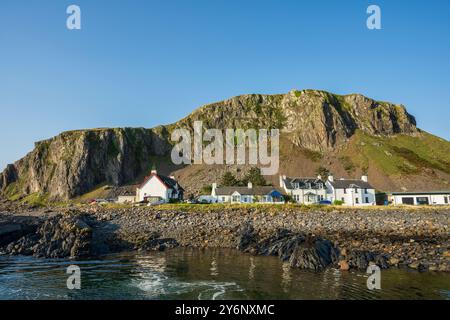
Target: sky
(144, 63)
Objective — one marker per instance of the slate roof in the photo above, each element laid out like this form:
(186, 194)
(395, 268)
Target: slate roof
(169, 182)
(303, 183)
(405, 193)
(245, 191)
(350, 183)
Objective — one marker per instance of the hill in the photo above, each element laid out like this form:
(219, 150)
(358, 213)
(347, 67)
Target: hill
(346, 134)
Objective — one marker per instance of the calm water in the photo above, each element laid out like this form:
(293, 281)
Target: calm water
(204, 274)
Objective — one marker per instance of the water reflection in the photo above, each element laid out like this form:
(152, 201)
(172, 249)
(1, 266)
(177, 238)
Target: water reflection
(204, 274)
(251, 270)
(286, 277)
(214, 268)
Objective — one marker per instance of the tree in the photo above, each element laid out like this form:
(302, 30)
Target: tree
(323, 172)
(254, 176)
(228, 180)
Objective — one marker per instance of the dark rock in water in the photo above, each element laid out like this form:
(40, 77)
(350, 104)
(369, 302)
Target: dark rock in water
(281, 244)
(314, 254)
(160, 244)
(57, 237)
(248, 239)
(361, 260)
(10, 232)
(302, 251)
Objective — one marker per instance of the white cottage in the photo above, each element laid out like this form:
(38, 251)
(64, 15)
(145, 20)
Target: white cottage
(352, 192)
(304, 190)
(157, 187)
(420, 198)
(249, 194)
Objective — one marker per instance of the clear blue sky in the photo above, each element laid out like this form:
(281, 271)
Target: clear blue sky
(143, 63)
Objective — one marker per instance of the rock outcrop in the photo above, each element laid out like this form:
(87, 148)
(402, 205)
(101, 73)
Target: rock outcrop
(57, 237)
(306, 252)
(73, 163)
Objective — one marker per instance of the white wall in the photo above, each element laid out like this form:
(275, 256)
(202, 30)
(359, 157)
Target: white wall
(351, 196)
(433, 199)
(301, 194)
(126, 199)
(153, 188)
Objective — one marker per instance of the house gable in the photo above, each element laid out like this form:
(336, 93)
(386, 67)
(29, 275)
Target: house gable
(152, 179)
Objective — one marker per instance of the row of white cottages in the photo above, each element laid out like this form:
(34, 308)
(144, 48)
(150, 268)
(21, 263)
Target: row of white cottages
(351, 192)
(302, 190)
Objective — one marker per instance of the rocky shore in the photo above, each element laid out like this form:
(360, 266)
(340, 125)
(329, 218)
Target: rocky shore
(308, 238)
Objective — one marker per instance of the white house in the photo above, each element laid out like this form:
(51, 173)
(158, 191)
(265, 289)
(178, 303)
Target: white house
(157, 187)
(352, 192)
(126, 199)
(420, 198)
(248, 194)
(304, 190)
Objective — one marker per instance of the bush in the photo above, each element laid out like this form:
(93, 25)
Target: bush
(338, 202)
(254, 176)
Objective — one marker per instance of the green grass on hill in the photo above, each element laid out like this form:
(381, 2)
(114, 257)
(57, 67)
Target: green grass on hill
(400, 154)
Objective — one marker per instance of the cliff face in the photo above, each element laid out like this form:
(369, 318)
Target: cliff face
(73, 163)
(315, 120)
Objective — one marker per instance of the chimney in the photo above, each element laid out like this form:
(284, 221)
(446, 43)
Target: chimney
(282, 178)
(250, 185)
(365, 178)
(319, 177)
(172, 177)
(330, 178)
(154, 171)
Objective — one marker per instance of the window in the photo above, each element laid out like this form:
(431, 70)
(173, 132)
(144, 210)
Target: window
(236, 198)
(356, 200)
(445, 200)
(320, 185)
(308, 185)
(367, 199)
(422, 200)
(356, 190)
(345, 190)
(223, 199)
(343, 200)
(365, 191)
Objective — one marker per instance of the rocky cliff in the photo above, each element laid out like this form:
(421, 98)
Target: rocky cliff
(347, 134)
(73, 163)
(316, 120)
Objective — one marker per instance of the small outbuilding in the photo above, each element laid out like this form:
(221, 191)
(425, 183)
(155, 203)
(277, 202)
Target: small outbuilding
(420, 198)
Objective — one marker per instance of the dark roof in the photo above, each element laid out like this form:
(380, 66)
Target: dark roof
(350, 183)
(303, 183)
(169, 182)
(404, 193)
(246, 191)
